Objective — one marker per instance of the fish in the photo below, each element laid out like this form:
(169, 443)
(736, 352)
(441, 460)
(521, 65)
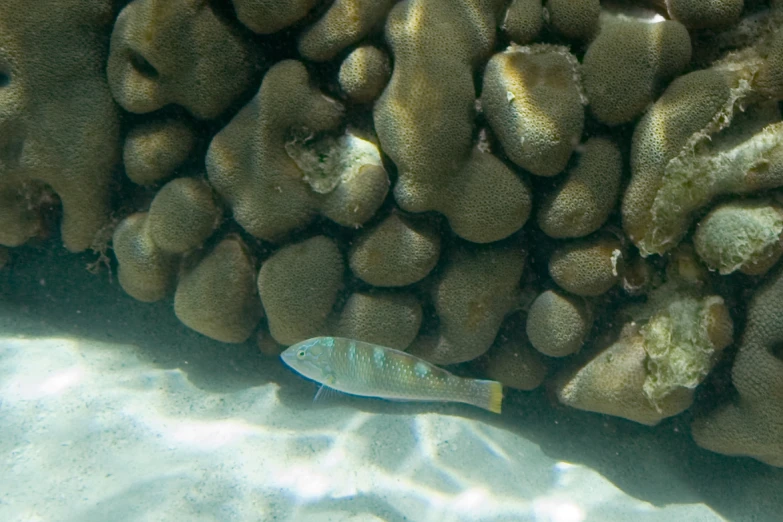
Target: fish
(371, 370)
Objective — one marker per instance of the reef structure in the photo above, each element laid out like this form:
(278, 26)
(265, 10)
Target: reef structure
(570, 193)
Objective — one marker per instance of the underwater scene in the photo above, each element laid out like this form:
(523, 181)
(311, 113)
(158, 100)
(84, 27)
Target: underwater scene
(391, 260)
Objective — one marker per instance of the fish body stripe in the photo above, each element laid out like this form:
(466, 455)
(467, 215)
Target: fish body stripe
(367, 369)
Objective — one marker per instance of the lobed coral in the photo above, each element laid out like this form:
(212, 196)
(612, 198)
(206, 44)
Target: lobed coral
(59, 128)
(752, 424)
(247, 190)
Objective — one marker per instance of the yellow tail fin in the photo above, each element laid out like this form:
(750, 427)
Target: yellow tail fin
(490, 396)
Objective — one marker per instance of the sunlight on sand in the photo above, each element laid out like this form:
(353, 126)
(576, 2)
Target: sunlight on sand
(88, 427)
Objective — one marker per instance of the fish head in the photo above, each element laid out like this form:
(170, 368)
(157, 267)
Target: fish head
(312, 359)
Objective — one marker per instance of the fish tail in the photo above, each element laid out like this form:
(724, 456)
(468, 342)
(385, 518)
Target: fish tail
(489, 395)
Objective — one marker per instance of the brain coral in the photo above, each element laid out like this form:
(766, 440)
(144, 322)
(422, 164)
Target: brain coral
(588, 267)
(58, 124)
(752, 424)
(146, 272)
(523, 20)
(269, 16)
(388, 319)
(574, 20)
(364, 73)
(703, 14)
(512, 360)
(397, 252)
(276, 175)
(557, 325)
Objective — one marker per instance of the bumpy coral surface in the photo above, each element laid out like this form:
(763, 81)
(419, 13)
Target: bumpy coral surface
(752, 424)
(367, 168)
(276, 175)
(533, 101)
(743, 235)
(178, 52)
(628, 61)
(649, 373)
(59, 127)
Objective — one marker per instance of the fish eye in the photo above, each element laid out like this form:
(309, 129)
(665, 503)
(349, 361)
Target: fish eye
(300, 354)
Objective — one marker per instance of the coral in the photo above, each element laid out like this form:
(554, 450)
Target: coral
(486, 201)
(557, 325)
(397, 252)
(588, 194)
(513, 362)
(574, 20)
(769, 79)
(705, 14)
(146, 272)
(475, 290)
(628, 62)
(424, 119)
(523, 21)
(752, 423)
(588, 267)
(611, 383)
(364, 73)
(533, 101)
(21, 210)
(183, 215)
(742, 235)
(387, 319)
(270, 16)
(148, 245)
(650, 371)
(179, 52)
(266, 136)
(687, 107)
(740, 160)
(217, 297)
(712, 132)
(275, 168)
(153, 151)
(345, 23)
(58, 124)
(298, 286)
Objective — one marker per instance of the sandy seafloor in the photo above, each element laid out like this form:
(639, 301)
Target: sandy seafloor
(113, 411)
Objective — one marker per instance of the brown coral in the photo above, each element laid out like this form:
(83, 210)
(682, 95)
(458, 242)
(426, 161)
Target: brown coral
(298, 286)
(218, 297)
(58, 124)
(752, 424)
(179, 52)
(475, 290)
(276, 171)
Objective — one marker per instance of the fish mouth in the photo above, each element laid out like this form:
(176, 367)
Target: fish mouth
(288, 357)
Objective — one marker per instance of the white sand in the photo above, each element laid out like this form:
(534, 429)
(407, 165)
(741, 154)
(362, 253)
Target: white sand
(176, 427)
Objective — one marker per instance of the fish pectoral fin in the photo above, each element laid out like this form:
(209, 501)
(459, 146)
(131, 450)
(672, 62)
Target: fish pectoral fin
(325, 393)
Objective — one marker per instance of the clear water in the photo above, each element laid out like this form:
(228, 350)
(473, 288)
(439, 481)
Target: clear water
(112, 409)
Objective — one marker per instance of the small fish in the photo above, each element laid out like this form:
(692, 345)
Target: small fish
(371, 370)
